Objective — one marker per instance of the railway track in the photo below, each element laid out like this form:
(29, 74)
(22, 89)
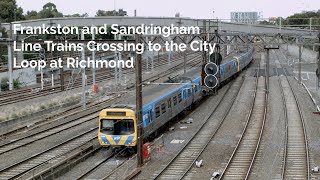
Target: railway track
(106, 168)
(70, 123)
(243, 157)
(296, 163)
(60, 150)
(97, 165)
(26, 94)
(180, 165)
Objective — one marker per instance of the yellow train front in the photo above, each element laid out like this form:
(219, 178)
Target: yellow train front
(117, 128)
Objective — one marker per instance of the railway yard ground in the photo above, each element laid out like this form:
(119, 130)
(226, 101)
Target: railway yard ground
(271, 156)
(247, 130)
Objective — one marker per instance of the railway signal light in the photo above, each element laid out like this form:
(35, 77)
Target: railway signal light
(211, 69)
(215, 58)
(42, 54)
(211, 81)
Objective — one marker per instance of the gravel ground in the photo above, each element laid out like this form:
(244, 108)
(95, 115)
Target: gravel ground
(220, 148)
(222, 145)
(307, 70)
(268, 161)
(41, 145)
(311, 121)
(91, 162)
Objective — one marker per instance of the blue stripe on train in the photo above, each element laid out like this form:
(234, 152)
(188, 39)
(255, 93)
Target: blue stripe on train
(129, 140)
(116, 139)
(105, 140)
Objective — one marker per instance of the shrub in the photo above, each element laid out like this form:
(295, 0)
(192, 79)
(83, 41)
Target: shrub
(42, 107)
(5, 85)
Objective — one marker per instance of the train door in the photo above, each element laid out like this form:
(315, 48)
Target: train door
(150, 118)
(187, 93)
(194, 90)
(169, 103)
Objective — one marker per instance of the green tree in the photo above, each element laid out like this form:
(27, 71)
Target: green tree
(31, 15)
(4, 85)
(266, 23)
(121, 12)
(16, 84)
(304, 18)
(50, 11)
(78, 15)
(9, 11)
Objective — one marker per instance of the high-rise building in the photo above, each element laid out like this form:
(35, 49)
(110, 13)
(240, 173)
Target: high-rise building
(245, 17)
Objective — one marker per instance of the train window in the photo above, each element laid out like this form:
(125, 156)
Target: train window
(163, 108)
(117, 126)
(196, 88)
(189, 92)
(169, 103)
(150, 115)
(174, 100)
(179, 97)
(157, 112)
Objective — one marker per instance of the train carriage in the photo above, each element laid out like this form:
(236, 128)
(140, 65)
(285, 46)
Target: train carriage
(117, 124)
(161, 103)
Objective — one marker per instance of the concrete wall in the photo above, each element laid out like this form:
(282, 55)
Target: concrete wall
(307, 54)
(26, 76)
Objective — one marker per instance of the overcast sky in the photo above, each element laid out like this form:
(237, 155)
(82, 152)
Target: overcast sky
(194, 8)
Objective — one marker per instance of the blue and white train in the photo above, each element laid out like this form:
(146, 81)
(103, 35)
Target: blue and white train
(161, 103)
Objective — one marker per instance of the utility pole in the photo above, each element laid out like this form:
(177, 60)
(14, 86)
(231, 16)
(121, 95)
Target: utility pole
(169, 52)
(10, 68)
(52, 80)
(300, 55)
(120, 68)
(184, 58)
(310, 24)
(147, 59)
(280, 24)
(84, 99)
(41, 75)
(267, 70)
(169, 57)
(267, 64)
(318, 70)
(94, 59)
(116, 68)
(152, 60)
(61, 72)
(139, 105)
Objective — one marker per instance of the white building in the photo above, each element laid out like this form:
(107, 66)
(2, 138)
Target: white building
(245, 17)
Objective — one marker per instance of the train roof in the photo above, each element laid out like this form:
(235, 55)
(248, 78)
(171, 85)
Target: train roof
(231, 56)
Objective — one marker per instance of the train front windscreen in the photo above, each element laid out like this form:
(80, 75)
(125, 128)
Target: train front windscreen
(117, 126)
